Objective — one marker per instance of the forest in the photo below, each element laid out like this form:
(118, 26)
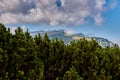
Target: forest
(23, 57)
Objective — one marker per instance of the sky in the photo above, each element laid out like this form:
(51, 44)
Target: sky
(92, 17)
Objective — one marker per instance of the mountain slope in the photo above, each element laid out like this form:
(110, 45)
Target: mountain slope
(62, 35)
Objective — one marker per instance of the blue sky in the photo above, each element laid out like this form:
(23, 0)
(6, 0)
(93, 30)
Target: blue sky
(93, 17)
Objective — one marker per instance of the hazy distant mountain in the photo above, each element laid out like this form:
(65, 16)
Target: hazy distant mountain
(62, 35)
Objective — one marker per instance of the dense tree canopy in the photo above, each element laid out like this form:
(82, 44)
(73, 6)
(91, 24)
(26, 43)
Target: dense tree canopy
(23, 57)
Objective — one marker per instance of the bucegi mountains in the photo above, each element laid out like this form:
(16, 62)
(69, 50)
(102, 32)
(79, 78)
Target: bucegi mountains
(61, 34)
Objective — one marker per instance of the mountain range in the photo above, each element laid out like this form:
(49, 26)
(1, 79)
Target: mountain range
(63, 35)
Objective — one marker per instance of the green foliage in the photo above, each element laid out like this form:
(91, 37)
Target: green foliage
(72, 74)
(23, 57)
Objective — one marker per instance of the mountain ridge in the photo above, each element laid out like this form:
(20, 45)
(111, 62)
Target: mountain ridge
(61, 34)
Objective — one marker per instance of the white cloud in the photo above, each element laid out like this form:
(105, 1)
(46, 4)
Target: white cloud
(63, 2)
(24, 28)
(51, 12)
(13, 28)
(98, 19)
(100, 4)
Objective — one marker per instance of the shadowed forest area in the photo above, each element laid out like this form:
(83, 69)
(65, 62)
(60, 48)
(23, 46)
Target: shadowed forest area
(23, 57)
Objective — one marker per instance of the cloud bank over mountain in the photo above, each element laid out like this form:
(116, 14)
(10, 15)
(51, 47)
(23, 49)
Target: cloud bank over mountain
(53, 12)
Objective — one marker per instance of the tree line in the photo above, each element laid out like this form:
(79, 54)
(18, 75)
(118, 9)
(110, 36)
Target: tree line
(23, 57)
